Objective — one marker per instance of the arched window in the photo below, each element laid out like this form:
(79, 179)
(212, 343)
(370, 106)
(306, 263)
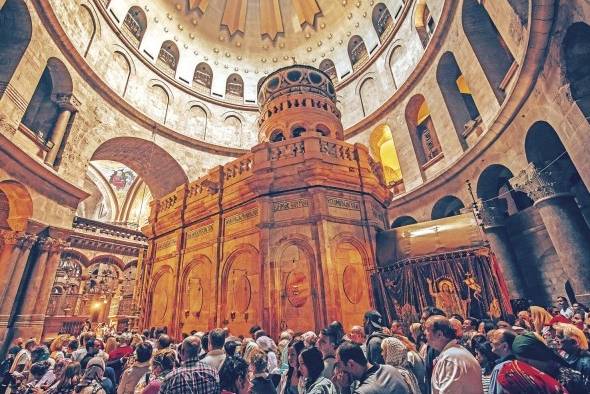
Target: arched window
(403, 221)
(135, 25)
(203, 77)
(54, 87)
(446, 207)
(422, 131)
(457, 95)
(168, 58)
(234, 88)
(15, 35)
(493, 187)
(576, 46)
(487, 44)
(382, 21)
(383, 150)
(277, 136)
(329, 68)
(424, 22)
(357, 52)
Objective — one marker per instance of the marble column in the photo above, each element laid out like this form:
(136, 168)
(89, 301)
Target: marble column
(564, 223)
(12, 265)
(59, 128)
(493, 215)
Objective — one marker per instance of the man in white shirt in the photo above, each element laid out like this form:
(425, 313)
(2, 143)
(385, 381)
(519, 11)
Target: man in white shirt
(564, 307)
(455, 371)
(216, 355)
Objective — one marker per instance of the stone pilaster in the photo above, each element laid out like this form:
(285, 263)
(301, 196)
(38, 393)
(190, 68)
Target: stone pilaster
(493, 215)
(564, 223)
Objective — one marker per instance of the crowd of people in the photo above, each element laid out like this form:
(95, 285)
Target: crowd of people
(540, 350)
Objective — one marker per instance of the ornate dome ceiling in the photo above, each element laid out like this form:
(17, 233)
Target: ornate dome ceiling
(262, 35)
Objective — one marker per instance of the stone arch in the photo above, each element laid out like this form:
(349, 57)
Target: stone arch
(234, 86)
(292, 276)
(241, 281)
(80, 257)
(403, 221)
(87, 29)
(196, 121)
(277, 136)
(423, 22)
(168, 57)
(351, 262)
(487, 44)
(15, 35)
(135, 25)
(160, 171)
(158, 102)
(357, 51)
(382, 20)
(17, 205)
(160, 299)
(446, 207)
(367, 92)
(109, 259)
(203, 75)
(494, 188)
(422, 130)
(384, 151)
(576, 55)
(456, 94)
(119, 72)
(54, 87)
(233, 126)
(396, 55)
(328, 67)
(197, 283)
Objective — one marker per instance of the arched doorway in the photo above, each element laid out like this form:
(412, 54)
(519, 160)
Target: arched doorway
(493, 187)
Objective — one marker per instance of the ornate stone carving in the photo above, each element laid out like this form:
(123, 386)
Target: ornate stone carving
(540, 185)
(52, 245)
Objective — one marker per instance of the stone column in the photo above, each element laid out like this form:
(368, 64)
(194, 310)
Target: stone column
(59, 128)
(493, 215)
(48, 277)
(564, 223)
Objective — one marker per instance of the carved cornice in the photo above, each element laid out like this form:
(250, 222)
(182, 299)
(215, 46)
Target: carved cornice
(52, 245)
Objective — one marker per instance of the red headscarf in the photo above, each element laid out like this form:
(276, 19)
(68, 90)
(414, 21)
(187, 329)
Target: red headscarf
(517, 377)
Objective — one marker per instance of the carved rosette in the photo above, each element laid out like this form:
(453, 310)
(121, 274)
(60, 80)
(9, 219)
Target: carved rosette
(540, 185)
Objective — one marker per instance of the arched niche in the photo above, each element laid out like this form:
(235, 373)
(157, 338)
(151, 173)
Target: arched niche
(203, 76)
(119, 73)
(576, 52)
(384, 151)
(368, 93)
(158, 103)
(403, 221)
(86, 30)
(234, 87)
(424, 22)
(494, 188)
(196, 310)
(297, 283)
(196, 122)
(277, 136)
(487, 44)
(54, 87)
(135, 25)
(382, 20)
(422, 131)
(161, 296)
(168, 58)
(328, 67)
(147, 159)
(357, 51)
(17, 205)
(233, 128)
(395, 64)
(457, 95)
(241, 290)
(351, 279)
(446, 207)
(15, 36)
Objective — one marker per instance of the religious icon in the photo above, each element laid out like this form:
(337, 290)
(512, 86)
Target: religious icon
(446, 297)
(495, 312)
(473, 285)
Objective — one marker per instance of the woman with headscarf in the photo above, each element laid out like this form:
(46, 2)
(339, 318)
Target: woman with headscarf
(91, 382)
(531, 350)
(573, 347)
(292, 380)
(517, 377)
(268, 346)
(67, 380)
(540, 318)
(395, 353)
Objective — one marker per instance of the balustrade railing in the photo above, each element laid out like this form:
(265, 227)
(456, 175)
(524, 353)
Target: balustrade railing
(287, 150)
(107, 229)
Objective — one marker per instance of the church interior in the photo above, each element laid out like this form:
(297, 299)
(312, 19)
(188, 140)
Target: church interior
(193, 164)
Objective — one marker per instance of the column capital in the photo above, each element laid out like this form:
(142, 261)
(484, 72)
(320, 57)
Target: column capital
(52, 245)
(493, 213)
(20, 238)
(67, 102)
(540, 185)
